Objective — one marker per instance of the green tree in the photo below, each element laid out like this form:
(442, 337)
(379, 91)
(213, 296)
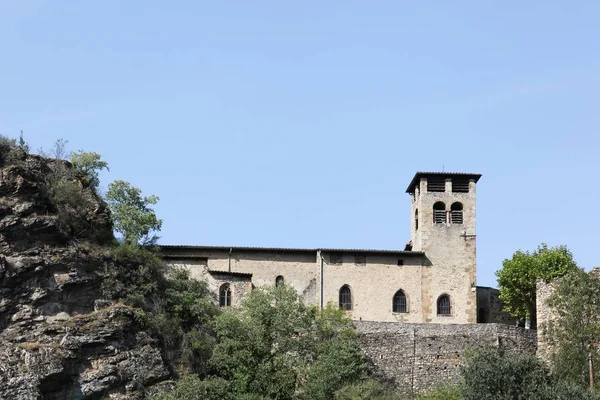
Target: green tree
(132, 213)
(274, 347)
(87, 166)
(518, 276)
(574, 332)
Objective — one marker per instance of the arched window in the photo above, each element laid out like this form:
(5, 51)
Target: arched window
(279, 280)
(345, 298)
(416, 220)
(439, 213)
(225, 295)
(443, 305)
(399, 304)
(456, 213)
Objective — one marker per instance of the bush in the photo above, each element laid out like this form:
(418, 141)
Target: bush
(87, 166)
(75, 200)
(191, 387)
(491, 375)
(173, 307)
(369, 389)
(444, 392)
(12, 152)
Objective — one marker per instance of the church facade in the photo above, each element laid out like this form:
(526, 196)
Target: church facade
(433, 279)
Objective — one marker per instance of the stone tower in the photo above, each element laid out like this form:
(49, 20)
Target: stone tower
(443, 227)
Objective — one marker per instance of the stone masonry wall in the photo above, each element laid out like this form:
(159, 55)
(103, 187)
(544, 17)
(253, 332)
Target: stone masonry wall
(416, 357)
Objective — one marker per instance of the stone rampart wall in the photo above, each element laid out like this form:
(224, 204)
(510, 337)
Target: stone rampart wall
(419, 356)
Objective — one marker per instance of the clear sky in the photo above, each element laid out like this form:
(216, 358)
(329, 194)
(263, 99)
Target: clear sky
(300, 124)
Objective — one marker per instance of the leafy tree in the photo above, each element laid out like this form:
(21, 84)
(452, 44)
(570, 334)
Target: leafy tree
(133, 215)
(518, 276)
(275, 347)
(87, 166)
(574, 333)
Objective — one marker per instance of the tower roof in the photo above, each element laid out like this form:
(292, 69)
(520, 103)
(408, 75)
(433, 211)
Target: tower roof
(417, 178)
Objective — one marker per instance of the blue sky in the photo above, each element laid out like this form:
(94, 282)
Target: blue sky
(300, 124)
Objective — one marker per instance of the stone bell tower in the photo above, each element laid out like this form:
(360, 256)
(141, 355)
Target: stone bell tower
(443, 227)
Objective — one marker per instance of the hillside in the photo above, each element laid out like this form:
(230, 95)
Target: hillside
(58, 338)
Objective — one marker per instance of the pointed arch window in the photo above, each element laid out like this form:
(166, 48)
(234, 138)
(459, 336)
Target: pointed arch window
(456, 213)
(399, 304)
(444, 306)
(225, 295)
(345, 298)
(439, 213)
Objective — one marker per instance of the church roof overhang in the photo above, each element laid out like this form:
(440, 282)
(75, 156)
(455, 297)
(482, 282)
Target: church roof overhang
(186, 251)
(417, 178)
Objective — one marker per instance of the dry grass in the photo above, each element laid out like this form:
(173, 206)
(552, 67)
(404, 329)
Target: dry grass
(33, 346)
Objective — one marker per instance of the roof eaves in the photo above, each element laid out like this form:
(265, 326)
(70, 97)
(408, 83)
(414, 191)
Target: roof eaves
(418, 175)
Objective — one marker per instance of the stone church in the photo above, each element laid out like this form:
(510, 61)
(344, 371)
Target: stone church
(433, 279)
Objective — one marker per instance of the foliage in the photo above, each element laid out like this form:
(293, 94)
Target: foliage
(87, 166)
(518, 276)
(444, 392)
(490, 374)
(76, 205)
(190, 387)
(173, 307)
(277, 347)
(575, 332)
(13, 152)
(367, 389)
(132, 213)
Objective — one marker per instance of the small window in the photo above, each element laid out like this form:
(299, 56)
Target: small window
(460, 185)
(345, 298)
(416, 220)
(225, 295)
(436, 185)
(456, 213)
(439, 213)
(279, 280)
(400, 262)
(443, 305)
(399, 303)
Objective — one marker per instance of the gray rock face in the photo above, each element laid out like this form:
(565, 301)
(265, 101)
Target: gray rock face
(58, 338)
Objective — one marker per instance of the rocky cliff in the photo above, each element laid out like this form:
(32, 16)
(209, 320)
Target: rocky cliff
(58, 338)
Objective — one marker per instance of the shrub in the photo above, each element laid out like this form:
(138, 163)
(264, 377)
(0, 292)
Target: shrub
(190, 387)
(444, 392)
(369, 389)
(172, 306)
(87, 166)
(12, 152)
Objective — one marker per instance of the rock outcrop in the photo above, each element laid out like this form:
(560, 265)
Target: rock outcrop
(58, 339)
